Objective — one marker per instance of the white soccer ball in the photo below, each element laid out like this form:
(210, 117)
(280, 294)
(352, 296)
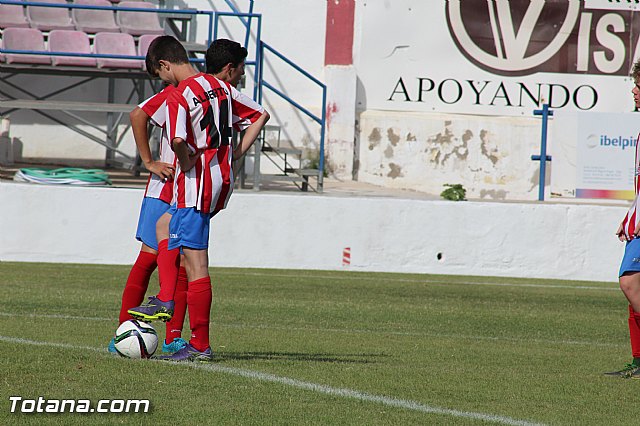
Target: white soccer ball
(136, 339)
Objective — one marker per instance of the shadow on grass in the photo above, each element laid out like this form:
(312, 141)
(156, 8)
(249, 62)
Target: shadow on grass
(297, 356)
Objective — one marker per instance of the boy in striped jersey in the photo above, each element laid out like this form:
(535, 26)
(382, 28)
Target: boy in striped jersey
(156, 202)
(201, 112)
(629, 274)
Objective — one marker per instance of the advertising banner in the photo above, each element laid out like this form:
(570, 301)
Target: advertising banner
(593, 154)
(497, 57)
(605, 155)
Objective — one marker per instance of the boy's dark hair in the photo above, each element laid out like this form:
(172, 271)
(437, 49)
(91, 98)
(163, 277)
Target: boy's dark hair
(635, 71)
(222, 52)
(164, 48)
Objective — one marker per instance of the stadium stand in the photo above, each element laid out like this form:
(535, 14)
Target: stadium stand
(138, 23)
(12, 16)
(143, 45)
(24, 39)
(70, 41)
(49, 18)
(116, 44)
(94, 20)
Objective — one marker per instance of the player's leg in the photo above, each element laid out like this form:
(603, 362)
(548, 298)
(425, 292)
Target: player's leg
(136, 285)
(173, 341)
(168, 259)
(199, 299)
(630, 286)
(146, 262)
(194, 240)
(138, 281)
(168, 266)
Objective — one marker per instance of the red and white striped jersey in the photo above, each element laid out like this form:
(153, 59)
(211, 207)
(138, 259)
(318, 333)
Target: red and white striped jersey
(202, 110)
(630, 222)
(156, 108)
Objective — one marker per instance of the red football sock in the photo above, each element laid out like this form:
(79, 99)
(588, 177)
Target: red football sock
(174, 327)
(199, 302)
(634, 332)
(168, 264)
(137, 283)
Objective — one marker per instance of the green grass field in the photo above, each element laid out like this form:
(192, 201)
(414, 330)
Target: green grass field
(332, 348)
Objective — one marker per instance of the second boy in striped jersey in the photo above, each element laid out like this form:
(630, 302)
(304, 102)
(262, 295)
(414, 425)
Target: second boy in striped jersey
(629, 232)
(202, 110)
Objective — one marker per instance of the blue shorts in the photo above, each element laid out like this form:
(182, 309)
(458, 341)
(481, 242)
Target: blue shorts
(150, 212)
(188, 228)
(631, 259)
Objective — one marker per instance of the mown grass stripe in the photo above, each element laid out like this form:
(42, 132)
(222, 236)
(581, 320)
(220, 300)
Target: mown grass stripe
(314, 387)
(352, 331)
(613, 287)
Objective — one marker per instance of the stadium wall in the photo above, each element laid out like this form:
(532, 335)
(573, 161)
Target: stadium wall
(266, 230)
(424, 99)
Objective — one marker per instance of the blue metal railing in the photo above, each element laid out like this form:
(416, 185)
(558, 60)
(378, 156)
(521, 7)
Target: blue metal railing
(246, 23)
(256, 61)
(320, 120)
(545, 112)
(260, 83)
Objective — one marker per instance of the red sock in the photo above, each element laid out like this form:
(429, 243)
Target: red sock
(174, 327)
(137, 283)
(634, 332)
(199, 302)
(168, 264)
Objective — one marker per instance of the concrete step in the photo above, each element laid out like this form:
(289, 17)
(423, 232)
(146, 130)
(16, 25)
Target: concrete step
(282, 150)
(302, 172)
(301, 182)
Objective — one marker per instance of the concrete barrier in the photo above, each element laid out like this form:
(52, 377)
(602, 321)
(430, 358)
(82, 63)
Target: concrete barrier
(277, 230)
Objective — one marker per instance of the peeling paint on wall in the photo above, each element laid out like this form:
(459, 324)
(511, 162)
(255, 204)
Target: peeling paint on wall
(393, 138)
(430, 151)
(494, 194)
(487, 147)
(388, 152)
(374, 138)
(332, 109)
(395, 172)
(445, 145)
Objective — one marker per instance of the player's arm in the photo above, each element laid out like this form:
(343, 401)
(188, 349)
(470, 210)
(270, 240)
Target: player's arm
(250, 135)
(186, 158)
(622, 236)
(620, 232)
(139, 125)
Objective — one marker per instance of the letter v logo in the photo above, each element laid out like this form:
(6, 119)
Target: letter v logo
(510, 44)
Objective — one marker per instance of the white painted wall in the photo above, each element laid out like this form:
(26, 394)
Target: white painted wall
(541, 240)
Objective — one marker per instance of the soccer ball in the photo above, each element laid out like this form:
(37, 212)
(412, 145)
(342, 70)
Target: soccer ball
(136, 339)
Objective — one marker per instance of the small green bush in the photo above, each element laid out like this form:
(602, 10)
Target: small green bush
(454, 192)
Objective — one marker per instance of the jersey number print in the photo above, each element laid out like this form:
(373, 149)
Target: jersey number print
(217, 137)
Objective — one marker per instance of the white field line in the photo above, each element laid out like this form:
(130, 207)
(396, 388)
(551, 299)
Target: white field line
(351, 331)
(417, 281)
(314, 387)
(56, 316)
